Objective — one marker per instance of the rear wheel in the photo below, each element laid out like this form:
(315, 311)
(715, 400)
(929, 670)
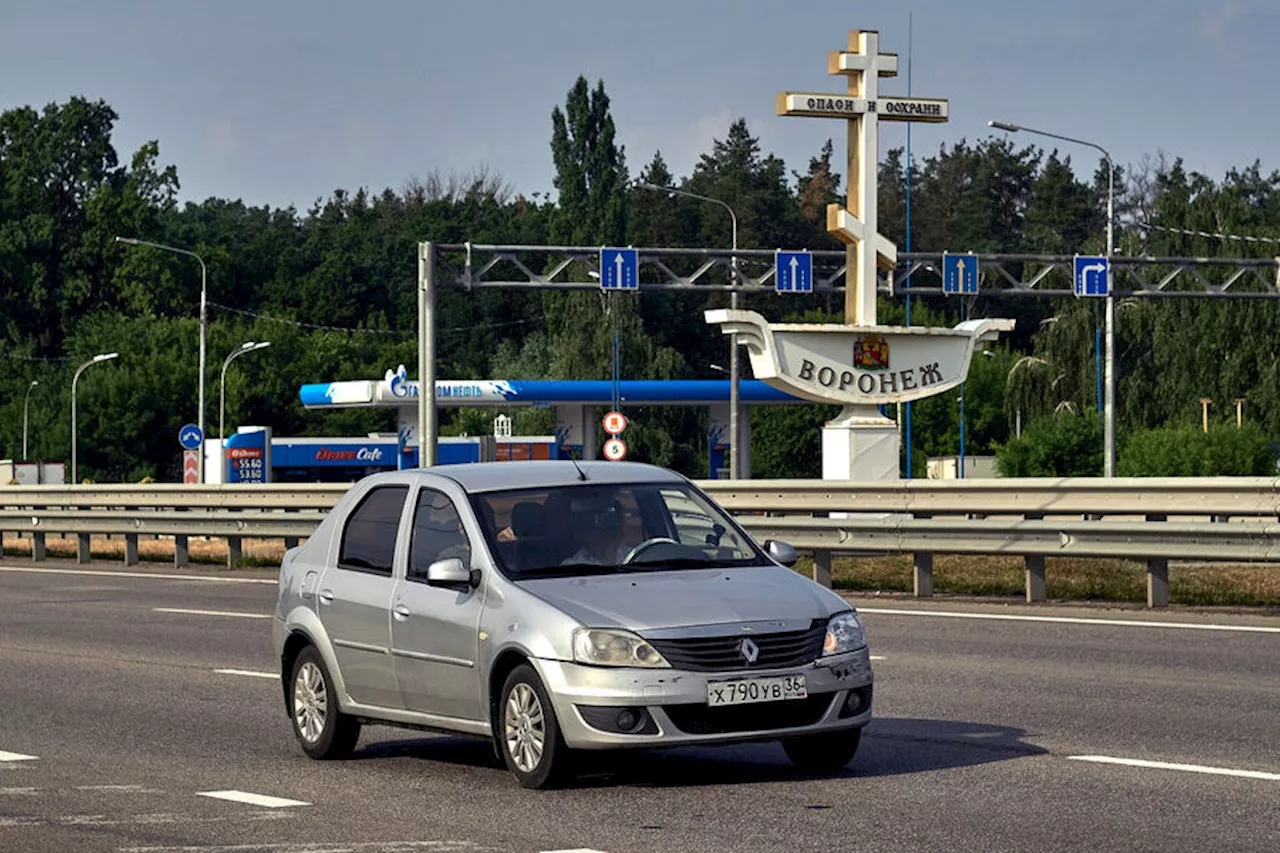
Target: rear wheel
(528, 733)
(826, 752)
(323, 731)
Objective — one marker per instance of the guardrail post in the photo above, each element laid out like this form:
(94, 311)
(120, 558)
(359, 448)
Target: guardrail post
(38, 550)
(822, 568)
(922, 576)
(82, 548)
(290, 542)
(1, 544)
(922, 571)
(1035, 584)
(1157, 575)
(131, 549)
(233, 551)
(180, 555)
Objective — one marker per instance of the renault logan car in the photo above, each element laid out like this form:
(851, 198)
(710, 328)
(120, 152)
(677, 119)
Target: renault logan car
(558, 606)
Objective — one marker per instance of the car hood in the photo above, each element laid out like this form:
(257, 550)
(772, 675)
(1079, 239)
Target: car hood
(643, 601)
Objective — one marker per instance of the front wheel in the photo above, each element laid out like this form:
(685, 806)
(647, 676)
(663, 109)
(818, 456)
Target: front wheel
(826, 752)
(528, 732)
(322, 730)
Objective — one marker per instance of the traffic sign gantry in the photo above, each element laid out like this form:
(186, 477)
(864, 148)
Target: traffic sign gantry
(614, 423)
(615, 450)
(618, 269)
(1092, 275)
(793, 272)
(959, 273)
(190, 437)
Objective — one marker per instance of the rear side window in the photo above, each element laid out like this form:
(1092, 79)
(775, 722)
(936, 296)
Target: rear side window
(369, 539)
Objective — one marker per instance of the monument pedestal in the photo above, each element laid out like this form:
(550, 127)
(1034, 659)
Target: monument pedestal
(860, 444)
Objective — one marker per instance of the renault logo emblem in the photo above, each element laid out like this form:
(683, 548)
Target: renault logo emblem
(750, 651)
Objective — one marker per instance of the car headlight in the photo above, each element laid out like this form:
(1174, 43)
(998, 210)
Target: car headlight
(604, 647)
(844, 634)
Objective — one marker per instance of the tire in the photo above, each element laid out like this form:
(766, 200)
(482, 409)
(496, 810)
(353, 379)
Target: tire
(827, 752)
(527, 732)
(323, 731)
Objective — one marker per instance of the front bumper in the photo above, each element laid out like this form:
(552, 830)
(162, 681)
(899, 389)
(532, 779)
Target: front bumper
(676, 703)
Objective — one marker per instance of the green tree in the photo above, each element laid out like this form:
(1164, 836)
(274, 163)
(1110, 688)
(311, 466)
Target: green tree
(1062, 445)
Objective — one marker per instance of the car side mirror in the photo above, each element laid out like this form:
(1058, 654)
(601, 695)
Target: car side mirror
(781, 552)
(452, 574)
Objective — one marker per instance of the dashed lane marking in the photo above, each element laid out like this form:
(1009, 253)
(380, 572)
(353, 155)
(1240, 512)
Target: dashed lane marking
(15, 756)
(247, 672)
(876, 657)
(322, 847)
(1072, 620)
(252, 799)
(19, 792)
(141, 819)
(144, 575)
(189, 612)
(1185, 768)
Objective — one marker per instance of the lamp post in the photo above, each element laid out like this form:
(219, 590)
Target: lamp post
(247, 346)
(26, 405)
(734, 373)
(74, 379)
(1109, 406)
(204, 322)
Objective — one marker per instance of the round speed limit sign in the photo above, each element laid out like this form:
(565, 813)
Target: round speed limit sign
(615, 450)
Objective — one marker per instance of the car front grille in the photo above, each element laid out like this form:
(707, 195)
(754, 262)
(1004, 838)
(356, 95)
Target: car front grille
(699, 719)
(724, 654)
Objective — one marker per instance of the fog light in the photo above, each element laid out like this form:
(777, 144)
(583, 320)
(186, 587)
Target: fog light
(853, 702)
(627, 720)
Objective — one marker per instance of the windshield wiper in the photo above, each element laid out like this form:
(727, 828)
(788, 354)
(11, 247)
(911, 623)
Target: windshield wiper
(685, 563)
(569, 569)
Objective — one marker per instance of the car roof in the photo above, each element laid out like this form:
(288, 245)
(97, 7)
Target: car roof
(494, 476)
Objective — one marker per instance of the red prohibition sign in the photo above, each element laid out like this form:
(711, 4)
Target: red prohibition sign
(615, 450)
(614, 423)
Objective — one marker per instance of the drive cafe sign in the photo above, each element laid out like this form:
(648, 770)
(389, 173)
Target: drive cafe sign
(859, 363)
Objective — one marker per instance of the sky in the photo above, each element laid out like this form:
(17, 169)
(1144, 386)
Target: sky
(280, 102)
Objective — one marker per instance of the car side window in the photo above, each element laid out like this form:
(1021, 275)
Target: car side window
(438, 534)
(369, 539)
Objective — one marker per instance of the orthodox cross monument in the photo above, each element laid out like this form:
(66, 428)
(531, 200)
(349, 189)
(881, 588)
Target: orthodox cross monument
(859, 364)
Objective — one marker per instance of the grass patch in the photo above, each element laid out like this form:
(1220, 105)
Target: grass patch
(1241, 585)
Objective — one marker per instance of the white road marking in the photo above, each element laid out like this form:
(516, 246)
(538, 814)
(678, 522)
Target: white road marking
(1072, 620)
(189, 612)
(121, 789)
(575, 850)
(252, 799)
(248, 672)
(317, 847)
(19, 792)
(1185, 768)
(145, 575)
(16, 756)
(876, 657)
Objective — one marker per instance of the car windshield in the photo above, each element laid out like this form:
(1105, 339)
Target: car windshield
(609, 527)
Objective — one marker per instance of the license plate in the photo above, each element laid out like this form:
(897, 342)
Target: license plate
(748, 690)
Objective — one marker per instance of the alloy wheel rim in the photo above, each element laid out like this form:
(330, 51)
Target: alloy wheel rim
(525, 728)
(310, 702)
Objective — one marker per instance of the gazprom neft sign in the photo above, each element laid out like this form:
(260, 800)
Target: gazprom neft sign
(847, 106)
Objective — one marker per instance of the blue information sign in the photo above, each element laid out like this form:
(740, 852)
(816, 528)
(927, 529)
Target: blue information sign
(959, 273)
(793, 272)
(618, 269)
(190, 437)
(1092, 275)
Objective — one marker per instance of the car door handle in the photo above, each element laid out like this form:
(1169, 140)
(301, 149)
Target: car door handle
(401, 612)
(326, 596)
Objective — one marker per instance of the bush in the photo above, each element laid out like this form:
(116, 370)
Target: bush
(1188, 451)
(1061, 445)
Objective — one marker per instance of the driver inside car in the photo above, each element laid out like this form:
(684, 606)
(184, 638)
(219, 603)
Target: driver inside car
(598, 526)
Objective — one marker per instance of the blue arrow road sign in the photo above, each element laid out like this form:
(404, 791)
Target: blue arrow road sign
(618, 269)
(190, 437)
(959, 273)
(793, 272)
(1092, 275)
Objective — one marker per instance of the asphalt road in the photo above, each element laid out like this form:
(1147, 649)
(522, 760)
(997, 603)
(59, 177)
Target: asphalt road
(119, 715)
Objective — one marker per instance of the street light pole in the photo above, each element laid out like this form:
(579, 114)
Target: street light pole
(204, 323)
(247, 346)
(734, 372)
(26, 405)
(74, 379)
(1109, 387)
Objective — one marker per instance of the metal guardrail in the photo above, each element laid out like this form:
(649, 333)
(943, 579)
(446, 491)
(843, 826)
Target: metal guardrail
(1034, 519)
